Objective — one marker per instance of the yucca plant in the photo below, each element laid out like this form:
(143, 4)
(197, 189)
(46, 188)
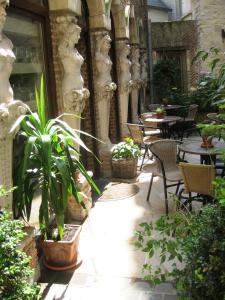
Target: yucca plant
(48, 164)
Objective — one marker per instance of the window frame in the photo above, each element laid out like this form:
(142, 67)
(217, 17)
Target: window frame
(41, 14)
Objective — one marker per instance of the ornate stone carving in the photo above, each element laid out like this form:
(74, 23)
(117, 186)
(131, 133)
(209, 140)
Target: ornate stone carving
(136, 67)
(104, 85)
(124, 67)
(10, 109)
(7, 58)
(144, 71)
(73, 92)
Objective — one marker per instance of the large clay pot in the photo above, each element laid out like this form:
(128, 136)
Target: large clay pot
(62, 255)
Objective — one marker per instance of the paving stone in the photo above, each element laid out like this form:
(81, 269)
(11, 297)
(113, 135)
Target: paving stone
(170, 297)
(150, 296)
(165, 288)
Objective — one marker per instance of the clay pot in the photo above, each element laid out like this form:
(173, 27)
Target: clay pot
(62, 255)
(160, 115)
(207, 142)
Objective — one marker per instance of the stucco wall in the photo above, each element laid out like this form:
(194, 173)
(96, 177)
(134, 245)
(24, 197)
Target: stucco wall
(210, 17)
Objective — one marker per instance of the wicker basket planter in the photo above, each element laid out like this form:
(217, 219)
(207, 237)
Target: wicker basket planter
(124, 168)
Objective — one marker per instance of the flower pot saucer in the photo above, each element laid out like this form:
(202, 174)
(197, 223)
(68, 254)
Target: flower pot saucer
(207, 146)
(74, 265)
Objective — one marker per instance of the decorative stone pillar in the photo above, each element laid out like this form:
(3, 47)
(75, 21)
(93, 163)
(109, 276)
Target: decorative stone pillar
(125, 82)
(10, 109)
(136, 77)
(104, 89)
(144, 78)
(74, 94)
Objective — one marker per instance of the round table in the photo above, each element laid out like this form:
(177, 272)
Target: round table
(215, 117)
(162, 123)
(207, 155)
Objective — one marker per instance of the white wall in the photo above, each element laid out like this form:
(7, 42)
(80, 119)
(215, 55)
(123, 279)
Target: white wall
(158, 15)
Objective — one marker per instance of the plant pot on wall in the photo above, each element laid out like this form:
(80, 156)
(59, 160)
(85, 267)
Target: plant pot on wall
(62, 255)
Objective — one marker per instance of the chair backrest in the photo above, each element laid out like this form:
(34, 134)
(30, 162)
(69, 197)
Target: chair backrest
(153, 107)
(135, 132)
(198, 178)
(192, 111)
(166, 152)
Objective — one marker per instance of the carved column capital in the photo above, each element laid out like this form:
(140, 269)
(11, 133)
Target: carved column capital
(9, 113)
(73, 93)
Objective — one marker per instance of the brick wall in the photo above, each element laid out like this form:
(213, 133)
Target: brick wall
(178, 35)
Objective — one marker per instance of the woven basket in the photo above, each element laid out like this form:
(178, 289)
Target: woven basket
(124, 168)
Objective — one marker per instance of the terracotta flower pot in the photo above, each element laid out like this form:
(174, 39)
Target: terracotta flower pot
(160, 115)
(207, 142)
(62, 255)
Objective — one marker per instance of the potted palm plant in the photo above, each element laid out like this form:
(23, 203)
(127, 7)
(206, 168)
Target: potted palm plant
(48, 165)
(208, 131)
(124, 159)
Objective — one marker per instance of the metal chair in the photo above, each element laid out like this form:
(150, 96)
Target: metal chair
(188, 125)
(198, 179)
(136, 132)
(165, 154)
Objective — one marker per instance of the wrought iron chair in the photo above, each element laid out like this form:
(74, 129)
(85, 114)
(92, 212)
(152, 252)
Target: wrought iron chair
(165, 155)
(136, 132)
(197, 179)
(188, 125)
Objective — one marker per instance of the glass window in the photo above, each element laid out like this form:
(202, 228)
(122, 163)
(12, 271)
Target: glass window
(26, 36)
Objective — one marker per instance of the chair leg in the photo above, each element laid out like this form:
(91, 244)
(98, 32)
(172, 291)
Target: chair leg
(150, 187)
(179, 199)
(166, 198)
(189, 200)
(178, 186)
(146, 150)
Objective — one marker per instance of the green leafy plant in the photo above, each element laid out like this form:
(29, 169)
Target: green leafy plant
(14, 264)
(191, 251)
(48, 164)
(166, 74)
(160, 109)
(126, 149)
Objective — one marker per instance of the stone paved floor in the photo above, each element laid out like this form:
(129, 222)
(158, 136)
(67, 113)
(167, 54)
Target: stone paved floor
(111, 268)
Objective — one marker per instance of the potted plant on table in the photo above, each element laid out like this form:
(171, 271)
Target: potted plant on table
(160, 112)
(208, 131)
(48, 165)
(124, 159)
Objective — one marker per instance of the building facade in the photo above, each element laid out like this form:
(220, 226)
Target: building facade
(93, 54)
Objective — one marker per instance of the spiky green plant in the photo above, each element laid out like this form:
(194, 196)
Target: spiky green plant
(48, 164)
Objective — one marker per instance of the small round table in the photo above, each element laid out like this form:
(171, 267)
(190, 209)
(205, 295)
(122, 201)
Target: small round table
(163, 123)
(207, 155)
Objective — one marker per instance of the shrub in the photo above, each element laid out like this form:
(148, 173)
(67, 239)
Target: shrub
(15, 271)
(193, 245)
(126, 149)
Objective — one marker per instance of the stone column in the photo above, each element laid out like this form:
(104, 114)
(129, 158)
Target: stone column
(104, 89)
(125, 82)
(74, 94)
(10, 109)
(144, 78)
(136, 77)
